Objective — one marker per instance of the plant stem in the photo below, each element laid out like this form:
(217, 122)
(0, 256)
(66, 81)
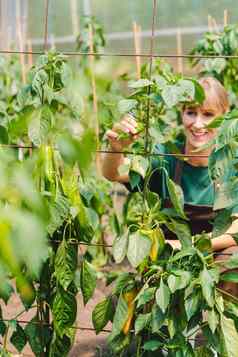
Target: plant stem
(138, 347)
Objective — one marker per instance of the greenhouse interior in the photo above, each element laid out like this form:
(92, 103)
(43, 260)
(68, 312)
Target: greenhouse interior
(119, 178)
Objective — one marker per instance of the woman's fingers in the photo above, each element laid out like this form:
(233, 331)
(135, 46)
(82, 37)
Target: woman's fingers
(128, 126)
(130, 120)
(111, 134)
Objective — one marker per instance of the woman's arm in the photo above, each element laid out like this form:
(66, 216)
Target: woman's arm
(225, 240)
(219, 243)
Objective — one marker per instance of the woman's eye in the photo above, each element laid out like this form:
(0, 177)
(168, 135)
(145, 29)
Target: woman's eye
(191, 112)
(208, 114)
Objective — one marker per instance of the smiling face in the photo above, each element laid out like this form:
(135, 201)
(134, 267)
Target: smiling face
(196, 118)
(195, 121)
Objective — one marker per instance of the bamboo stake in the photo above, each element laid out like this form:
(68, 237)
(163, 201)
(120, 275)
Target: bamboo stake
(225, 17)
(74, 17)
(30, 57)
(179, 51)
(52, 41)
(21, 42)
(210, 25)
(136, 32)
(95, 104)
(215, 26)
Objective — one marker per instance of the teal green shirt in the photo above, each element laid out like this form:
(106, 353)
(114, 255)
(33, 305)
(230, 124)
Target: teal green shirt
(197, 186)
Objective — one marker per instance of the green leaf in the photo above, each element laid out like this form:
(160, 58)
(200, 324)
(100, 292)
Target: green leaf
(203, 352)
(187, 89)
(219, 162)
(146, 296)
(216, 122)
(102, 313)
(171, 95)
(18, 338)
(222, 222)
(208, 288)
(3, 325)
(125, 105)
(138, 249)
(157, 319)
(141, 83)
(199, 92)
(232, 262)
(178, 281)
(88, 280)
(141, 322)
(230, 337)
(162, 296)
(121, 282)
(60, 346)
(192, 304)
(80, 151)
(65, 263)
(152, 345)
(119, 249)
(140, 165)
(182, 230)
(64, 310)
(37, 336)
(120, 316)
(3, 135)
(231, 276)
(66, 74)
(59, 212)
(184, 253)
(212, 319)
(176, 196)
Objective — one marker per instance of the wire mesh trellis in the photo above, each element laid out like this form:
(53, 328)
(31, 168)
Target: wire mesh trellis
(151, 56)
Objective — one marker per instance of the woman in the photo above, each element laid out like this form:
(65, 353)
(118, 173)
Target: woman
(192, 175)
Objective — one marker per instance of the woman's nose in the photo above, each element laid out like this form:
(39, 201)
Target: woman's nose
(198, 123)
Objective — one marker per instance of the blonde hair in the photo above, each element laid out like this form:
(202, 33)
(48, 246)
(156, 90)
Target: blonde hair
(215, 94)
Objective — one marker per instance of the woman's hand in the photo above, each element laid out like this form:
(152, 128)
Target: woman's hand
(175, 243)
(127, 125)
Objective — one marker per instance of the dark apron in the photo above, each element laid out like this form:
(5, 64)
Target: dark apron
(200, 217)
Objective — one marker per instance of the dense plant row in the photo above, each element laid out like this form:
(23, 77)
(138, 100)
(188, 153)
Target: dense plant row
(51, 201)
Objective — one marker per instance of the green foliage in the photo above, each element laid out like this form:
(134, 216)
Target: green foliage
(222, 43)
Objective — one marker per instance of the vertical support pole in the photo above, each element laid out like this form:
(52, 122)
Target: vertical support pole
(21, 40)
(95, 104)
(225, 17)
(136, 32)
(179, 51)
(209, 20)
(87, 8)
(74, 17)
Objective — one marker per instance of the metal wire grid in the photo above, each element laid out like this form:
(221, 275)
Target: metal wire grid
(151, 56)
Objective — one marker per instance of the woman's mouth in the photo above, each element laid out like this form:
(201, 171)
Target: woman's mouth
(199, 135)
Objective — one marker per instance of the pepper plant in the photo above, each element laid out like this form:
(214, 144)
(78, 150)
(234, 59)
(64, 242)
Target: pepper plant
(62, 152)
(224, 43)
(169, 295)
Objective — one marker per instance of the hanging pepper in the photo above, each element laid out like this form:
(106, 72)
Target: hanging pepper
(129, 297)
(158, 243)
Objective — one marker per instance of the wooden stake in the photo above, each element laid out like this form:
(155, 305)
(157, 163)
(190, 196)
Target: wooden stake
(20, 39)
(74, 17)
(137, 43)
(179, 51)
(215, 26)
(52, 41)
(210, 26)
(95, 105)
(225, 17)
(30, 57)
